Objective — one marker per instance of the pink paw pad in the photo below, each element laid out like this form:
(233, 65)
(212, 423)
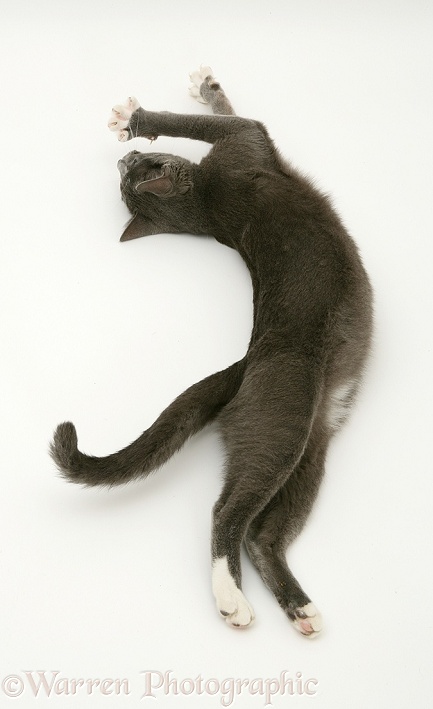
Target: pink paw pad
(308, 620)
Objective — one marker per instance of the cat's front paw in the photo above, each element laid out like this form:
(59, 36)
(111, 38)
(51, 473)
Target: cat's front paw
(197, 78)
(120, 117)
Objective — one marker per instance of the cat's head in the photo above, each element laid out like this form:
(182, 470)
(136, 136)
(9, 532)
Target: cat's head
(154, 187)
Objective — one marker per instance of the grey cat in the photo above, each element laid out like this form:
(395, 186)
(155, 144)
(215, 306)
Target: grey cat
(280, 405)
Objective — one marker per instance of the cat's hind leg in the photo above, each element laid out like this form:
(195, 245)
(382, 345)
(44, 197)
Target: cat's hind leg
(206, 89)
(265, 429)
(279, 523)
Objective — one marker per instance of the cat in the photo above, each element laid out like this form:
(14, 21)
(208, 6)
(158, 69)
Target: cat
(280, 405)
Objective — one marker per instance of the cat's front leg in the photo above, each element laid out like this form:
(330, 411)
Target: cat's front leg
(130, 120)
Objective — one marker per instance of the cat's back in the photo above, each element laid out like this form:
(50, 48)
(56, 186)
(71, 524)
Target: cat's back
(294, 226)
(300, 255)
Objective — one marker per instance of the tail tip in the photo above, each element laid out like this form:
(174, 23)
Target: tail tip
(64, 446)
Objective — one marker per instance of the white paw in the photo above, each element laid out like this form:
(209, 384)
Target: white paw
(120, 117)
(230, 600)
(197, 78)
(308, 620)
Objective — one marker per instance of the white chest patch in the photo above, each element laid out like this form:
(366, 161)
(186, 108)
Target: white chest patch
(340, 404)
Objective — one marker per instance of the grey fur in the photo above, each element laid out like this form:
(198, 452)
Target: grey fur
(311, 333)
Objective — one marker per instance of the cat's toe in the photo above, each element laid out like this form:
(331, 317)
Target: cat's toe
(123, 136)
(132, 103)
(116, 123)
(205, 72)
(195, 93)
(123, 112)
(307, 620)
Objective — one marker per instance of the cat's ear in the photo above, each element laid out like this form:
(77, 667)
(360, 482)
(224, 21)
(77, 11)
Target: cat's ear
(161, 185)
(166, 184)
(138, 226)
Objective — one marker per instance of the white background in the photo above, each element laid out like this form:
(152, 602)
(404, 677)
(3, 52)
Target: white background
(106, 584)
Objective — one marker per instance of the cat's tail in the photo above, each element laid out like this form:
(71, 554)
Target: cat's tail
(187, 415)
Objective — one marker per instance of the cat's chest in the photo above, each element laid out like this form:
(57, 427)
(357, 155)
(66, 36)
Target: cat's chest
(228, 199)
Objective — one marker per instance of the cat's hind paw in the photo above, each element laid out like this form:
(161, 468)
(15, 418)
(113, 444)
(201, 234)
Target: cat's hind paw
(197, 78)
(235, 609)
(307, 620)
(120, 117)
(230, 601)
